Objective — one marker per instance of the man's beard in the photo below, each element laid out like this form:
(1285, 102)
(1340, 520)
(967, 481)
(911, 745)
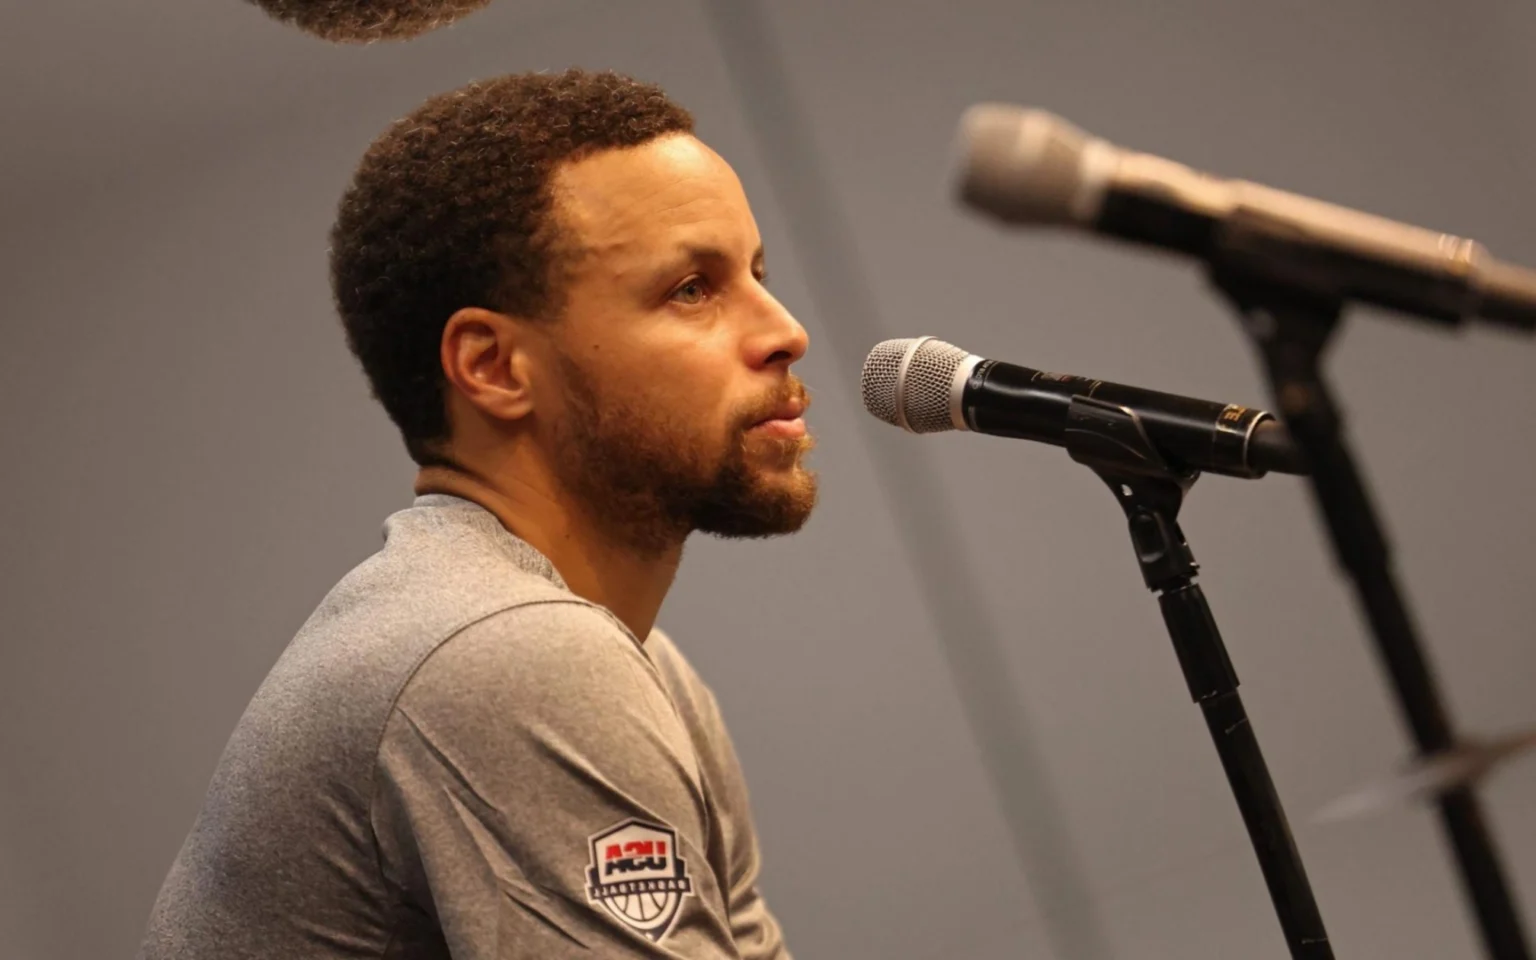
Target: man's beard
(649, 479)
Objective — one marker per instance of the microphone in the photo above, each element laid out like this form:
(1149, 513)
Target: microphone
(924, 385)
(366, 21)
(1031, 167)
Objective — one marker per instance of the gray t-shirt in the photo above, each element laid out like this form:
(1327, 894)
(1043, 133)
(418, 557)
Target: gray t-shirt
(457, 756)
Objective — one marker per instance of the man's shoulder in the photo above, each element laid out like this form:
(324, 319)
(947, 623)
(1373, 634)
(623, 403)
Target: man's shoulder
(442, 568)
(564, 675)
(441, 572)
(557, 660)
(554, 637)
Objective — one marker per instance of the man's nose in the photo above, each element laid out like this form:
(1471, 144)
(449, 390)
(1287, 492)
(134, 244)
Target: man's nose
(777, 337)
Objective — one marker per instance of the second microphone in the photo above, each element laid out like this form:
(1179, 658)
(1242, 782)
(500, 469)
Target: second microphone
(925, 385)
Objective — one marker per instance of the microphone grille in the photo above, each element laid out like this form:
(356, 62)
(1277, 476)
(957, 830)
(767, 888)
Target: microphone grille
(909, 383)
(878, 384)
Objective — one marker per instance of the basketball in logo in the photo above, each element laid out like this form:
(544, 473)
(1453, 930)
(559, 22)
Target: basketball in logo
(638, 877)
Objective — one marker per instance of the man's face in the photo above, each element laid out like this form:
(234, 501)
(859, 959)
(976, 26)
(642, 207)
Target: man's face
(674, 408)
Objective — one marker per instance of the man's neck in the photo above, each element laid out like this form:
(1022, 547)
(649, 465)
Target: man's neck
(630, 584)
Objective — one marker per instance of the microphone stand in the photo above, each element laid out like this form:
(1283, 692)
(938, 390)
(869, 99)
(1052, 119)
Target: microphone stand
(1112, 441)
(1291, 319)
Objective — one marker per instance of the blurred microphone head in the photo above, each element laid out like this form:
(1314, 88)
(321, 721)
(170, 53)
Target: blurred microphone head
(366, 21)
(1030, 166)
(916, 383)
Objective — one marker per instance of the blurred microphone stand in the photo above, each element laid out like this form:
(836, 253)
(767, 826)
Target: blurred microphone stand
(1291, 319)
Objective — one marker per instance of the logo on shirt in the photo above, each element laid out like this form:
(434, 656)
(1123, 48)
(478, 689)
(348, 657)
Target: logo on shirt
(638, 876)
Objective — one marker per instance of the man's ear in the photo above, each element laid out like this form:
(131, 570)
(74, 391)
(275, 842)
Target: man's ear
(486, 358)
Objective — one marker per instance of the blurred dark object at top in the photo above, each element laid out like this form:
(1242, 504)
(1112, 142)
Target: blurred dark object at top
(367, 21)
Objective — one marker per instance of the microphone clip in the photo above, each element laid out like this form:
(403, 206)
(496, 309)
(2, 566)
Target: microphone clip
(1112, 441)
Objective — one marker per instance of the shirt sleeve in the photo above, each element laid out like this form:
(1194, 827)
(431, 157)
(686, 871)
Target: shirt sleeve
(537, 795)
(754, 929)
(734, 845)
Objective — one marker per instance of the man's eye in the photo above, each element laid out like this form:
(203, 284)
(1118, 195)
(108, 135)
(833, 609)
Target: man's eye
(691, 292)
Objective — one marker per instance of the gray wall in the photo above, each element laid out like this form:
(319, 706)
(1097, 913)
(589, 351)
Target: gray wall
(191, 460)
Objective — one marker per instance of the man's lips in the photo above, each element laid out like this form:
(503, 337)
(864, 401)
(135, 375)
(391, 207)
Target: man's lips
(789, 429)
(788, 421)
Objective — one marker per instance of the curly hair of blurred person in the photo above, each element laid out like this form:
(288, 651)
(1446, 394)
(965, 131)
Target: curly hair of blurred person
(367, 21)
(452, 207)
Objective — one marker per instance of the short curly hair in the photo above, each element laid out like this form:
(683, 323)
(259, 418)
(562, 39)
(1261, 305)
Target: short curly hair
(452, 208)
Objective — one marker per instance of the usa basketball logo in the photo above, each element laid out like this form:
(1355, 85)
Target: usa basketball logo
(638, 876)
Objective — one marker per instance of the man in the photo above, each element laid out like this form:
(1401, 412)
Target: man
(478, 746)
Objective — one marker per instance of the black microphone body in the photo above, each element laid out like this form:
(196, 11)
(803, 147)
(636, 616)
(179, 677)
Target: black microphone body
(925, 385)
(1030, 167)
(1006, 400)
